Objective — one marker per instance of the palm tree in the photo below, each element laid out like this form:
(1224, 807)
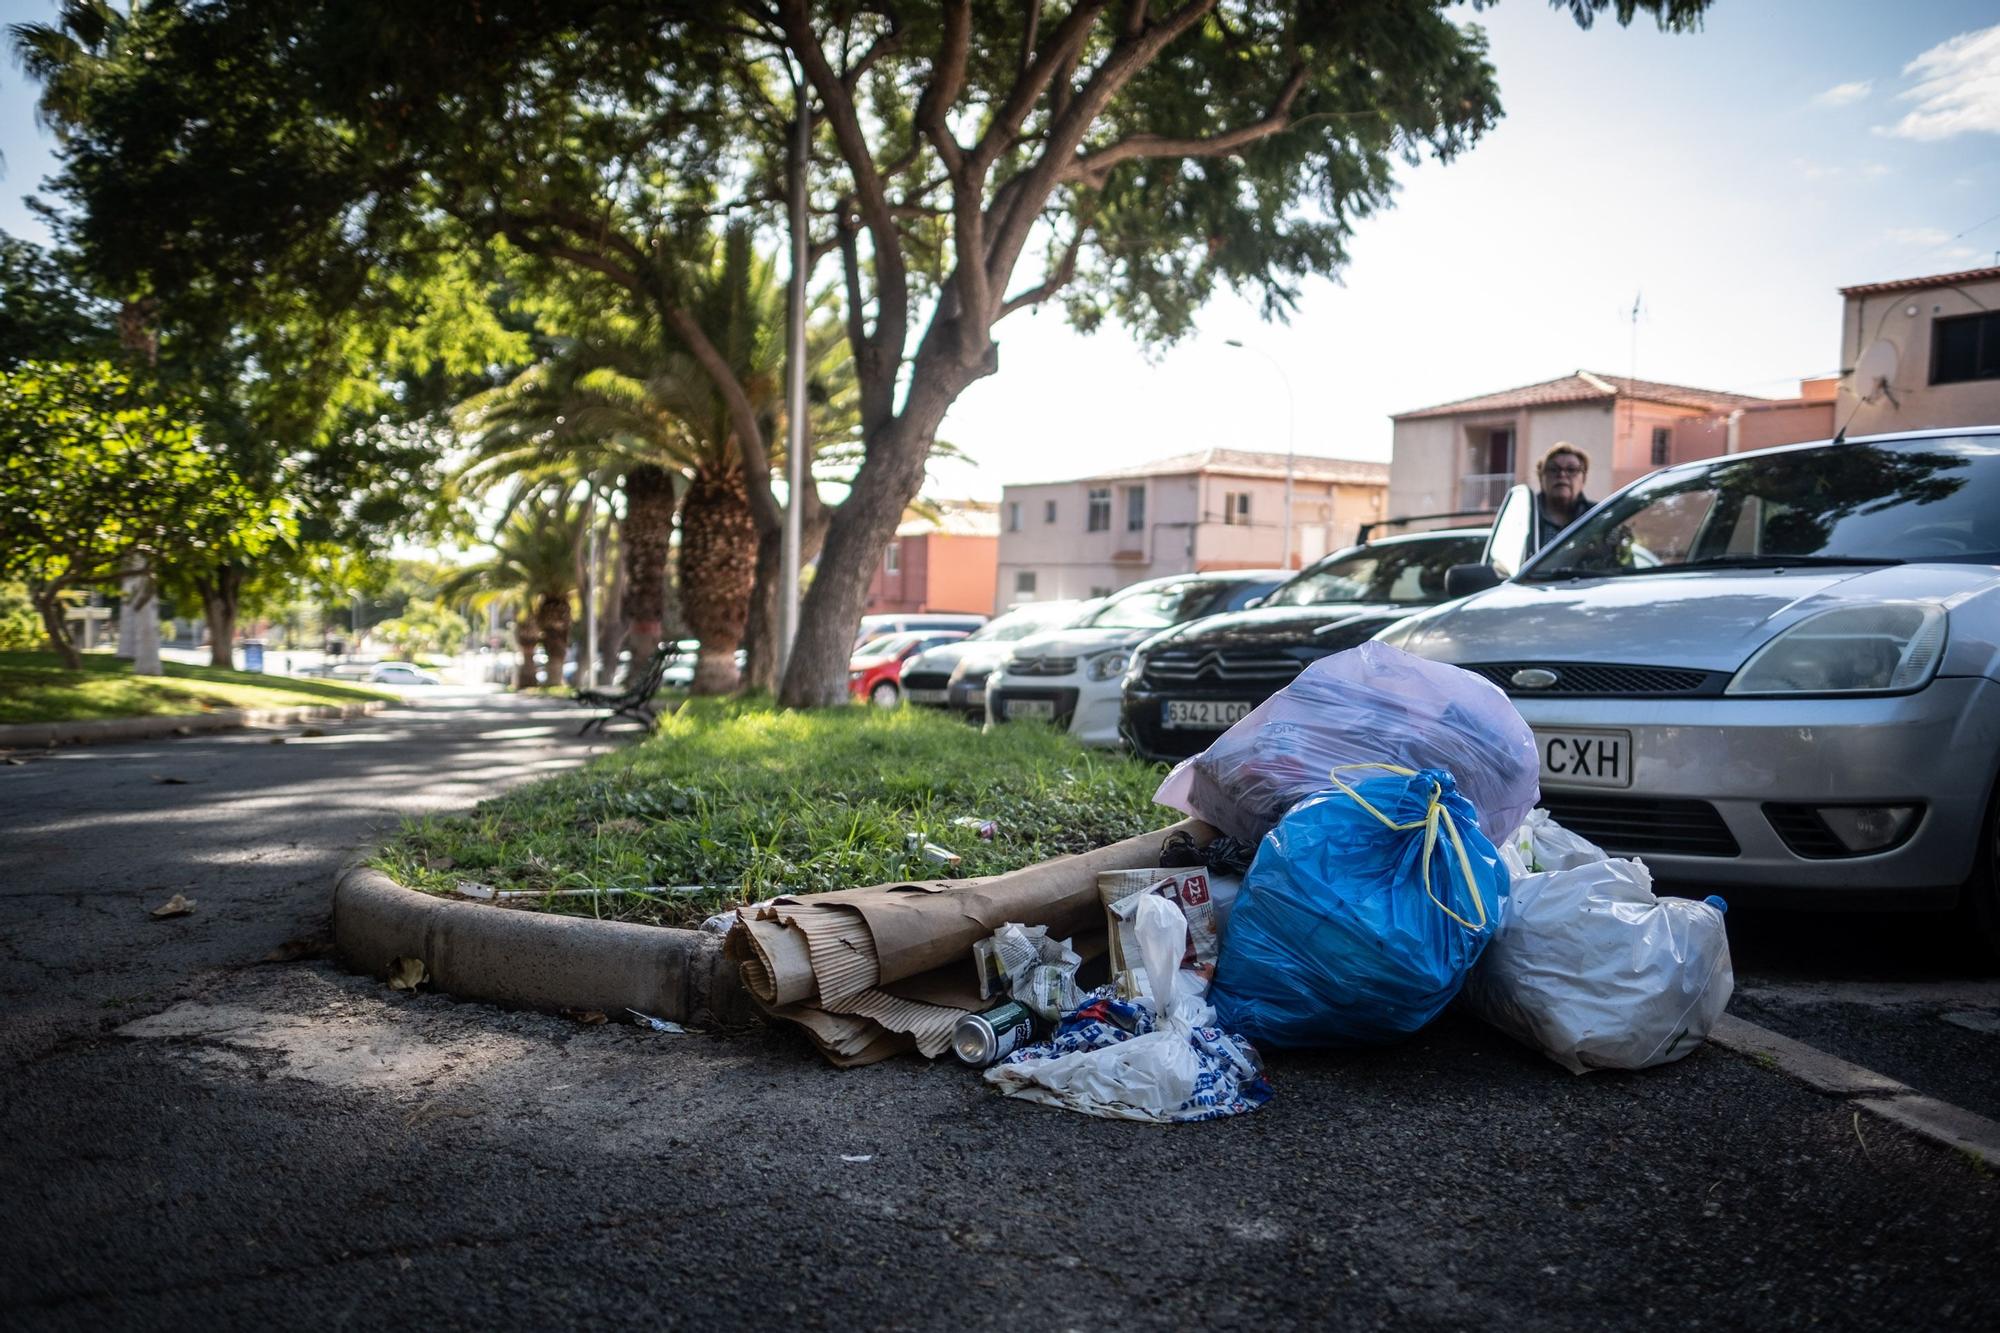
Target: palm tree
(534, 559)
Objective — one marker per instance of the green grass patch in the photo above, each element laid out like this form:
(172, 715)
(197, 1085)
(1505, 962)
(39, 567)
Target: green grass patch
(34, 687)
(748, 802)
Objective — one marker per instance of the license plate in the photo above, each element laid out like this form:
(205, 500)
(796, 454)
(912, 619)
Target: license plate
(1585, 758)
(925, 696)
(976, 699)
(1045, 709)
(1205, 714)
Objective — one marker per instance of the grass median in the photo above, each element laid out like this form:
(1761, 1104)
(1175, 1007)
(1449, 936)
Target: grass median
(735, 802)
(36, 687)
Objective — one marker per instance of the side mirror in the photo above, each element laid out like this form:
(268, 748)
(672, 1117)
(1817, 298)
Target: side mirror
(1464, 580)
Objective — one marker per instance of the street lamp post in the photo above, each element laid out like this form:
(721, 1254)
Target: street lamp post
(1291, 437)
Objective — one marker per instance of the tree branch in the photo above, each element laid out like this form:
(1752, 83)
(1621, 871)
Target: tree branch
(1064, 271)
(1091, 168)
(742, 416)
(1064, 48)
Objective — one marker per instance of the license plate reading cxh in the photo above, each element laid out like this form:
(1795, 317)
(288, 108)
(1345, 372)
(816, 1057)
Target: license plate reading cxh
(1045, 709)
(1586, 758)
(1205, 714)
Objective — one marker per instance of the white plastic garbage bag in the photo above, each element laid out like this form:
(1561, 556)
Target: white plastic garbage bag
(1371, 704)
(1542, 844)
(1176, 1067)
(1596, 972)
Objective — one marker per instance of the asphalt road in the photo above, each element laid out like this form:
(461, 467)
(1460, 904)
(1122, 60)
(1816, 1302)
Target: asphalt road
(199, 1139)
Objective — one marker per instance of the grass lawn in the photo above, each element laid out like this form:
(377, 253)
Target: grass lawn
(34, 687)
(748, 802)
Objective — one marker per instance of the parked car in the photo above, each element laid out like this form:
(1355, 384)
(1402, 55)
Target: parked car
(873, 672)
(401, 673)
(1188, 685)
(1070, 677)
(931, 678)
(1772, 674)
(911, 622)
(679, 673)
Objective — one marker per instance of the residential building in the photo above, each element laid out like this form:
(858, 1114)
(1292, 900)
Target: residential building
(1214, 509)
(1462, 456)
(942, 559)
(1919, 353)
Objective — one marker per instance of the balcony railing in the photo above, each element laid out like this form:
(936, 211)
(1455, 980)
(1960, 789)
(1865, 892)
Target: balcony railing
(1483, 490)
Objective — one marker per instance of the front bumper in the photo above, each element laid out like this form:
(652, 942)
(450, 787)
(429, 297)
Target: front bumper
(1936, 748)
(1087, 709)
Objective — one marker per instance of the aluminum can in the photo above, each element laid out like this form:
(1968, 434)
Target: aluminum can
(983, 1039)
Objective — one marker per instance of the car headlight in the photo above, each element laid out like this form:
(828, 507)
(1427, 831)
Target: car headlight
(1106, 665)
(1891, 647)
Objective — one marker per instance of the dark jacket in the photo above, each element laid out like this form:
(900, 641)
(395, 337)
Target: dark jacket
(1548, 525)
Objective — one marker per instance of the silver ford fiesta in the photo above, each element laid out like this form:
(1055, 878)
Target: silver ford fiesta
(1773, 674)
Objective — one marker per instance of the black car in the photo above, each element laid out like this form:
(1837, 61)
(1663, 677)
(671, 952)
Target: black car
(1188, 684)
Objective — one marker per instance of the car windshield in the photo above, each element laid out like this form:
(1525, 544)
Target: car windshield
(1028, 620)
(1881, 504)
(1398, 573)
(885, 646)
(1163, 605)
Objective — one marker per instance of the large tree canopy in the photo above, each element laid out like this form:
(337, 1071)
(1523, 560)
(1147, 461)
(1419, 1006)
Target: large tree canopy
(972, 158)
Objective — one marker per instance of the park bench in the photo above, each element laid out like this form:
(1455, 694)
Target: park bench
(634, 701)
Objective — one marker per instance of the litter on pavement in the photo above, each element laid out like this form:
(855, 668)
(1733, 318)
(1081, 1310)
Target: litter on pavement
(1364, 848)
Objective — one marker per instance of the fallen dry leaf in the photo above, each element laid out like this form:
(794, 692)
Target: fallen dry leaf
(587, 1017)
(166, 781)
(178, 905)
(630, 827)
(312, 731)
(183, 731)
(407, 974)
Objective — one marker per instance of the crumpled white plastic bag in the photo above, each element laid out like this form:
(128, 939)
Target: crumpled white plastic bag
(1595, 971)
(1149, 1077)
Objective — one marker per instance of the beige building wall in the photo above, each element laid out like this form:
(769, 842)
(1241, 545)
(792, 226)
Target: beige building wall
(1888, 334)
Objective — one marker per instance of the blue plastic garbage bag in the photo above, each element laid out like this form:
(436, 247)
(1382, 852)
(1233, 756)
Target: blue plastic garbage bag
(1363, 912)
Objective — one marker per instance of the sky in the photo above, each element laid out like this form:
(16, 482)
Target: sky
(1729, 181)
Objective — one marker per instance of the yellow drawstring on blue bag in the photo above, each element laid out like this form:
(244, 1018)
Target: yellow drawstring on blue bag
(1434, 815)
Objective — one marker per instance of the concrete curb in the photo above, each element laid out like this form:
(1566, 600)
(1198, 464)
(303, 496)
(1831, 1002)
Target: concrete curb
(533, 960)
(18, 734)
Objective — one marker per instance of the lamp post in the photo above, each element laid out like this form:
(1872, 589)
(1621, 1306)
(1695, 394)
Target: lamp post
(1291, 436)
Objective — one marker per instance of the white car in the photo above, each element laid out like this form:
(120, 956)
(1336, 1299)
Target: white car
(1072, 678)
(401, 673)
(934, 676)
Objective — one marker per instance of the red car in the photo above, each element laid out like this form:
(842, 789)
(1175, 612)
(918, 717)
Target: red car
(874, 670)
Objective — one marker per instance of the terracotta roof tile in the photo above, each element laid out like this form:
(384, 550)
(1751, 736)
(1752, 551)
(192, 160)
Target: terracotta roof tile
(1257, 463)
(1584, 387)
(1917, 284)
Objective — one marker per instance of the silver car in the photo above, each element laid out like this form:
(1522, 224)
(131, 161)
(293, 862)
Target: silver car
(1774, 673)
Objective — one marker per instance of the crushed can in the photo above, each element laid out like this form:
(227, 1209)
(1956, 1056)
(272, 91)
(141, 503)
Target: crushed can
(983, 1039)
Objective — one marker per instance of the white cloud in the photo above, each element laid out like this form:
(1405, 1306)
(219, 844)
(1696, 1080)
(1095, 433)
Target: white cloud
(1958, 88)
(1845, 94)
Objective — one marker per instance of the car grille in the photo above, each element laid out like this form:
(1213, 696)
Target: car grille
(1633, 825)
(1041, 666)
(1581, 678)
(1194, 666)
(926, 680)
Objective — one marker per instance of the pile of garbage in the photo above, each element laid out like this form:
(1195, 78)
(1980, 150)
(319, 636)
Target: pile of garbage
(1364, 849)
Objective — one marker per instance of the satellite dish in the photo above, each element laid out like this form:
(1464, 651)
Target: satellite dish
(1876, 370)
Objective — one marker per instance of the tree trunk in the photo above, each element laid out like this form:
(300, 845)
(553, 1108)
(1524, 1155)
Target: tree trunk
(49, 603)
(221, 592)
(646, 534)
(553, 617)
(718, 563)
(861, 528)
(760, 642)
(526, 635)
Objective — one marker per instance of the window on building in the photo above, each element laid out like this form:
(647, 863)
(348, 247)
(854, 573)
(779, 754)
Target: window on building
(1048, 511)
(1013, 516)
(1965, 347)
(1098, 518)
(1236, 508)
(1024, 583)
(892, 559)
(1135, 509)
(1663, 442)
